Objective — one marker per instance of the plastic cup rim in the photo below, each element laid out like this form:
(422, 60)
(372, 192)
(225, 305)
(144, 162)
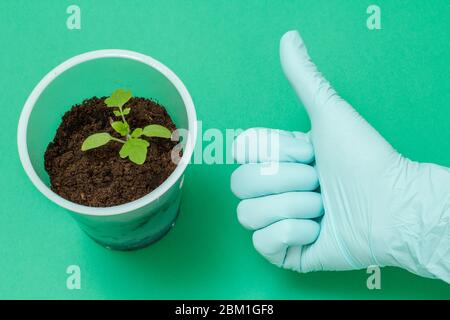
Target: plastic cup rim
(130, 206)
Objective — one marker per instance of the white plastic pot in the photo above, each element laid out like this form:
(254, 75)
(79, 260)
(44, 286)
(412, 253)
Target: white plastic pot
(97, 73)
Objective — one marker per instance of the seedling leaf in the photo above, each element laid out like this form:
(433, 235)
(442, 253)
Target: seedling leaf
(135, 149)
(156, 130)
(133, 146)
(136, 133)
(118, 98)
(120, 127)
(95, 140)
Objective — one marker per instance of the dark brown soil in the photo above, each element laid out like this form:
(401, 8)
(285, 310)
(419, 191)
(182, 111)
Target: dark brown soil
(99, 177)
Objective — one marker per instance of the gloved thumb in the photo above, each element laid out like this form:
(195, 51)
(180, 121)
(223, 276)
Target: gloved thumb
(312, 88)
(333, 120)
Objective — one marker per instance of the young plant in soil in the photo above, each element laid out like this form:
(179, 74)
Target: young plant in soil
(133, 147)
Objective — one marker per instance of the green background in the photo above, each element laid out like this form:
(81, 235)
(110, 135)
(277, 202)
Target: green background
(226, 53)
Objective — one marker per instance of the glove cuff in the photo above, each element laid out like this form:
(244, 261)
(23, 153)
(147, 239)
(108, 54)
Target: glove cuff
(418, 233)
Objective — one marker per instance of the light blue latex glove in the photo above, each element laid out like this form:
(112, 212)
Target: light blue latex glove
(380, 208)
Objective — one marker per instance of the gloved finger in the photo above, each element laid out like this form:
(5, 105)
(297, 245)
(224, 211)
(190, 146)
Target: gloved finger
(311, 87)
(259, 212)
(261, 179)
(266, 145)
(274, 240)
(292, 259)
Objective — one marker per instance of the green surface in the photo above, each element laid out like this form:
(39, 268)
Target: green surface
(226, 53)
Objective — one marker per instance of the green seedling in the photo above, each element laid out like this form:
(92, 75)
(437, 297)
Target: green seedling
(134, 147)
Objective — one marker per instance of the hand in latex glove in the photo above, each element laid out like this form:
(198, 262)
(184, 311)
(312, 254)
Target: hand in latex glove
(379, 207)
